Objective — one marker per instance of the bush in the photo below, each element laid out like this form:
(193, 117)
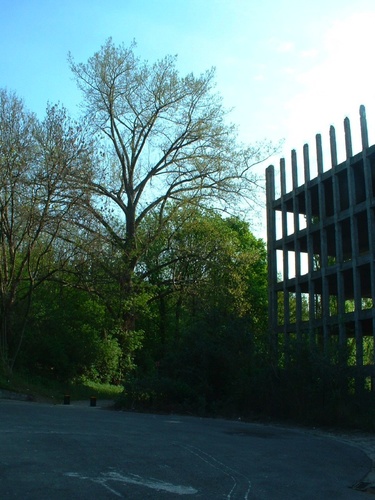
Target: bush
(106, 368)
(68, 339)
(154, 393)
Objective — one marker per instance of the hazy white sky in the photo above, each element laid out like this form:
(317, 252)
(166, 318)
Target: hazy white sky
(288, 68)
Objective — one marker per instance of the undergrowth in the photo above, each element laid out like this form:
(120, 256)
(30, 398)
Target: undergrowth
(44, 389)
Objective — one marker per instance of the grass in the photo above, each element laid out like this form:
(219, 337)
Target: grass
(48, 390)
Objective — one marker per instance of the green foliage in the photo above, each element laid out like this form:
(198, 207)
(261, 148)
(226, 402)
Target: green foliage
(157, 393)
(66, 336)
(202, 256)
(130, 342)
(107, 366)
(208, 315)
(40, 388)
(37, 202)
(202, 372)
(314, 388)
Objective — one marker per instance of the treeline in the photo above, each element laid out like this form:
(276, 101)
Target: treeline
(201, 321)
(124, 252)
(198, 299)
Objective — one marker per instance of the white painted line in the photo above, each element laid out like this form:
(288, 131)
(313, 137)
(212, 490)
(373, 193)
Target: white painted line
(236, 476)
(152, 483)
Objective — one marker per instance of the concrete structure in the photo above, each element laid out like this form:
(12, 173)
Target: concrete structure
(321, 251)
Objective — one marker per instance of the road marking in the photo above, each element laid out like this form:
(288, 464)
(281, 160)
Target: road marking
(237, 477)
(152, 483)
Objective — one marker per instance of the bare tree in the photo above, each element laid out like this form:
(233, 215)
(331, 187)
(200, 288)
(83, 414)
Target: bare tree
(37, 161)
(165, 141)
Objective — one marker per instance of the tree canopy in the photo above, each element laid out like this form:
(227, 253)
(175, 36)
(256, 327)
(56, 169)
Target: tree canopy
(121, 238)
(165, 143)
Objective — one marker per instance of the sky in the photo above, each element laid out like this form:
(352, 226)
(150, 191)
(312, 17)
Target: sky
(287, 69)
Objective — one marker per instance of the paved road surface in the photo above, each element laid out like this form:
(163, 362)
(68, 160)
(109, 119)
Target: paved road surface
(81, 452)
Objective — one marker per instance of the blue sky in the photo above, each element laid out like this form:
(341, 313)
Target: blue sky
(288, 68)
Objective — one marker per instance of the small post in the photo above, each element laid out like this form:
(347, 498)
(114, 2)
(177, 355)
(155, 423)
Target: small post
(92, 401)
(66, 399)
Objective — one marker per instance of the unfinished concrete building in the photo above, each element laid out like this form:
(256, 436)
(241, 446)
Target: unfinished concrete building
(321, 251)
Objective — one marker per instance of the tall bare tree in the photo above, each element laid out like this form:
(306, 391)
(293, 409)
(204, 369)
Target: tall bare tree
(165, 140)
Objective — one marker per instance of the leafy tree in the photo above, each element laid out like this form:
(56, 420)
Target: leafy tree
(214, 263)
(36, 203)
(164, 139)
(209, 322)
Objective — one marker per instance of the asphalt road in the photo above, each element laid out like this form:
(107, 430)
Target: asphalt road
(82, 452)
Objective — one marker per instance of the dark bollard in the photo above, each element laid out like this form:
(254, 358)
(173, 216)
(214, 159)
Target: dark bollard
(93, 401)
(66, 399)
